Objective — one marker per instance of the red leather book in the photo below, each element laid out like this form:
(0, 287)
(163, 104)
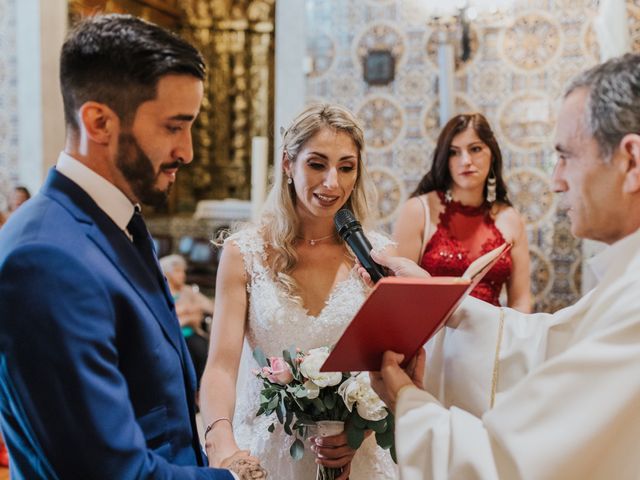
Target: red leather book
(401, 314)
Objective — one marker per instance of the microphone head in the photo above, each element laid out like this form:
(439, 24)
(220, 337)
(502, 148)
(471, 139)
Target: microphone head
(344, 220)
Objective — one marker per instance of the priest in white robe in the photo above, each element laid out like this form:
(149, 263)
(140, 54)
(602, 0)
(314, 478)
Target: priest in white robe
(544, 396)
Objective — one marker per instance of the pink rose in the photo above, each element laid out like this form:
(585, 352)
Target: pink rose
(280, 371)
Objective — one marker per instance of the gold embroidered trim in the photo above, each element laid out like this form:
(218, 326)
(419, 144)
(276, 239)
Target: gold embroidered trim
(496, 361)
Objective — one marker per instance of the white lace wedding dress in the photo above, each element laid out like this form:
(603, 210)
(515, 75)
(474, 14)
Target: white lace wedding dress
(276, 322)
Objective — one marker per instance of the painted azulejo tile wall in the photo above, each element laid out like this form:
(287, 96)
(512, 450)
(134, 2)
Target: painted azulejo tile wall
(516, 75)
(8, 100)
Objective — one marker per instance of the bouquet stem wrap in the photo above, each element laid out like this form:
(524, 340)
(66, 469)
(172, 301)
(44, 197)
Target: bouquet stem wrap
(328, 428)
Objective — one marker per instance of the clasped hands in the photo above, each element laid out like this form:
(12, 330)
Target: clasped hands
(245, 466)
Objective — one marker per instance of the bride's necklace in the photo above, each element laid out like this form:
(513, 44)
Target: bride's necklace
(313, 241)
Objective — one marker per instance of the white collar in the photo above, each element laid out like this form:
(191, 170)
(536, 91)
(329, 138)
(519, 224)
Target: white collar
(615, 255)
(107, 196)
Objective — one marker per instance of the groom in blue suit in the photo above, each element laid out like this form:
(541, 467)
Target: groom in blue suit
(95, 378)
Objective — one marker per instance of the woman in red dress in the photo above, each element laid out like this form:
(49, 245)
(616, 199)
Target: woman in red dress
(460, 210)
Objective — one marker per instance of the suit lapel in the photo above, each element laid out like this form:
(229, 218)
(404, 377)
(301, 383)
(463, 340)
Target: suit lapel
(120, 251)
(122, 254)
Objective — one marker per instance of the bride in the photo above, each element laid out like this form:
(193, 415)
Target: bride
(291, 281)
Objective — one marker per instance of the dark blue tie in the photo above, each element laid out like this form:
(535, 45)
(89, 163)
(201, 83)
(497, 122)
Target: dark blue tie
(144, 244)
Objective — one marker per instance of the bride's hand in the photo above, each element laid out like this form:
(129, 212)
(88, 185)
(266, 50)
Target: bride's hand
(333, 452)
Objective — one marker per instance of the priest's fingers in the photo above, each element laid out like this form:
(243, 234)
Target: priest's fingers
(378, 385)
(416, 367)
(393, 376)
(398, 266)
(364, 275)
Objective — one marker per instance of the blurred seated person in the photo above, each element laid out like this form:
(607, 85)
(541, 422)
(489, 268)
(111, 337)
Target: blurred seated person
(191, 307)
(19, 195)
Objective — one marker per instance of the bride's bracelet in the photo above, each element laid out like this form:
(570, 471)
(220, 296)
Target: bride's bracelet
(212, 424)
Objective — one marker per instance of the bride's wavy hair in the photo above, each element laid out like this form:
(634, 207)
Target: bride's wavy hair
(279, 221)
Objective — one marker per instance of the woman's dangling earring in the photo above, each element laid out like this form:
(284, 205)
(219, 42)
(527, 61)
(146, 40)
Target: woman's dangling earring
(448, 196)
(491, 187)
(289, 180)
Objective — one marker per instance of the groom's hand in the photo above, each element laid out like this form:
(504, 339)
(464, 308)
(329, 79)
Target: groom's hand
(392, 378)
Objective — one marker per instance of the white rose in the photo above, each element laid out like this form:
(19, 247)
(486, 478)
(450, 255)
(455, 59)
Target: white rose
(349, 390)
(371, 408)
(312, 389)
(358, 390)
(310, 368)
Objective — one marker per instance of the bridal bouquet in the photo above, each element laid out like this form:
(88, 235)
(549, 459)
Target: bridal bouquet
(301, 397)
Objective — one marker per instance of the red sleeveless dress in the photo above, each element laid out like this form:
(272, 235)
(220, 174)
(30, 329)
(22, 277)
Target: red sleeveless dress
(464, 234)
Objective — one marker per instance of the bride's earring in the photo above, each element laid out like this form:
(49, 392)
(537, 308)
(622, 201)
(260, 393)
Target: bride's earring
(491, 187)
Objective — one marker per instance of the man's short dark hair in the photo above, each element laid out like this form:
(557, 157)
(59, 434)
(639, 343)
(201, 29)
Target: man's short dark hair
(118, 60)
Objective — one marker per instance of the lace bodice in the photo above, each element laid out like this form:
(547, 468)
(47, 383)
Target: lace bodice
(276, 321)
(463, 234)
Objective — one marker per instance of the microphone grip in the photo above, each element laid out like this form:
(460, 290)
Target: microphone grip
(362, 250)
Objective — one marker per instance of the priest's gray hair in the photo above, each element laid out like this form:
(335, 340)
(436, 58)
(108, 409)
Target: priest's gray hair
(613, 104)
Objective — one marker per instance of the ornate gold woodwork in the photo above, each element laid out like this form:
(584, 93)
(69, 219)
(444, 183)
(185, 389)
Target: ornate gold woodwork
(236, 38)
(162, 12)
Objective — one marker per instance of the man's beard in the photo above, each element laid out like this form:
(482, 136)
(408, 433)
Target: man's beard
(137, 169)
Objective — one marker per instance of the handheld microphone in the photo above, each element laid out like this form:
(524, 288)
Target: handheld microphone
(351, 232)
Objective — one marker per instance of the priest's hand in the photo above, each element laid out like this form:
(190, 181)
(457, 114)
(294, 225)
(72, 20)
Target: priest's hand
(392, 378)
(396, 266)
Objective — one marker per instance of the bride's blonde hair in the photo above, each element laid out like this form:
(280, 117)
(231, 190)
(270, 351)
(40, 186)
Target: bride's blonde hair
(279, 221)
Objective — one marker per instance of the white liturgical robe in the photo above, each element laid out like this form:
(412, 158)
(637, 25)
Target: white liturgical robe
(567, 388)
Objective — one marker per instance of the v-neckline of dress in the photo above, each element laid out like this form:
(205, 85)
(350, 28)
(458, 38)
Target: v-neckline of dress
(328, 301)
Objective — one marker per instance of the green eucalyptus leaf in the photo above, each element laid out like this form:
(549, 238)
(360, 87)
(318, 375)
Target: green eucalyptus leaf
(330, 401)
(297, 449)
(260, 357)
(394, 456)
(287, 422)
(379, 426)
(273, 403)
(317, 402)
(271, 428)
(281, 412)
(287, 357)
(357, 420)
(385, 439)
(260, 411)
(355, 436)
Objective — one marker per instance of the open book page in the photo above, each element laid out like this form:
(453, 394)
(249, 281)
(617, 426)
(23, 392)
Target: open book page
(486, 260)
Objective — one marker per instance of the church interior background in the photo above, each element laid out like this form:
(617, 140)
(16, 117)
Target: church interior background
(267, 58)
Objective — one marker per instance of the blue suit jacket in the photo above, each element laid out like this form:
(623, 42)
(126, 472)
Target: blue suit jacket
(95, 379)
